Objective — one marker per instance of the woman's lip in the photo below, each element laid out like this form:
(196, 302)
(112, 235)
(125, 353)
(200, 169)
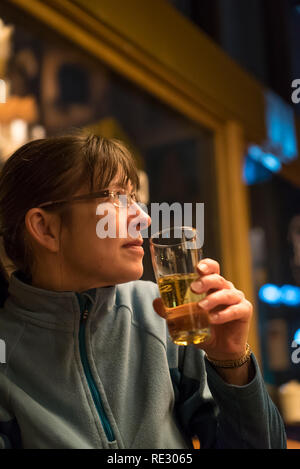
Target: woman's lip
(134, 247)
(132, 243)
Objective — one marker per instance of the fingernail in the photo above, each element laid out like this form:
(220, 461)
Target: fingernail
(213, 316)
(203, 268)
(203, 304)
(196, 286)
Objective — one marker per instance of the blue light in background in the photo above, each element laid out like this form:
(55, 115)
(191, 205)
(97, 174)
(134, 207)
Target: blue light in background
(290, 295)
(259, 165)
(297, 336)
(255, 152)
(254, 172)
(271, 162)
(270, 294)
(281, 130)
(280, 146)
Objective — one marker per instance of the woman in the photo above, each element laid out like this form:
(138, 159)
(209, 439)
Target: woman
(89, 363)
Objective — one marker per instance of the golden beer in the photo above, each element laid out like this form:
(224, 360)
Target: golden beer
(187, 323)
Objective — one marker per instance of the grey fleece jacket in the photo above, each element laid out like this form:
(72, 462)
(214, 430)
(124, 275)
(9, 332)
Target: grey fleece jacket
(98, 370)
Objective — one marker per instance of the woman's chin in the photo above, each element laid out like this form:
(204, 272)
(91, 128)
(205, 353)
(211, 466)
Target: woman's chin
(121, 274)
(132, 274)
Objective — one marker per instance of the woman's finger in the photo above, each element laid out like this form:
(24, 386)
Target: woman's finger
(210, 282)
(159, 307)
(242, 310)
(221, 297)
(208, 266)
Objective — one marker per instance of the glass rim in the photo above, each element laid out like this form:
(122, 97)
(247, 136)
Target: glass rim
(154, 244)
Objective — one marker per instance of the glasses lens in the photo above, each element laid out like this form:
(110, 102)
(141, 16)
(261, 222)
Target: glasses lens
(123, 199)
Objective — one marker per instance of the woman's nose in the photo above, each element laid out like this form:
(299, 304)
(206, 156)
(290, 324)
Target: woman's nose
(138, 218)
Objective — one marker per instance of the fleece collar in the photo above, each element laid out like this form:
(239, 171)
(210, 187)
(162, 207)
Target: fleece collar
(56, 308)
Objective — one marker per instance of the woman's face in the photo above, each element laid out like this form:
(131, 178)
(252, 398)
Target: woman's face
(92, 261)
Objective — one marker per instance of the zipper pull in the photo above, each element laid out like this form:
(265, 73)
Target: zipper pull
(84, 307)
(85, 314)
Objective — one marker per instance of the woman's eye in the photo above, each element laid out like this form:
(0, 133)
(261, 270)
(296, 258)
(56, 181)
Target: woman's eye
(121, 193)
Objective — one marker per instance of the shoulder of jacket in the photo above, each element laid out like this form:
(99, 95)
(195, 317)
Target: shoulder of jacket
(138, 296)
(137, 292)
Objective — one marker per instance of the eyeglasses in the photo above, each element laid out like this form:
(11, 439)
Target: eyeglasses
(120, 199)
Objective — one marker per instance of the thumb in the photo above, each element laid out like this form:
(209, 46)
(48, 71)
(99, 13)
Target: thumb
(159, 307)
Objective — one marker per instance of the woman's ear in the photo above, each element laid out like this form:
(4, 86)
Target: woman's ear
(44, 228)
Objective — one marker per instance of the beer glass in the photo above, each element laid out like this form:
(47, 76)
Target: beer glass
(175, 254)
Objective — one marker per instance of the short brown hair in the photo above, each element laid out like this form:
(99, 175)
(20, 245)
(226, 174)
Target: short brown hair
(51, 169)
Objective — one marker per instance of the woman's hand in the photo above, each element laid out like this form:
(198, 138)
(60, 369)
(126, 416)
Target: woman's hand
(229, 311)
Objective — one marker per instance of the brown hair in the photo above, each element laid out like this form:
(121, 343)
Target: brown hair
(51, 169)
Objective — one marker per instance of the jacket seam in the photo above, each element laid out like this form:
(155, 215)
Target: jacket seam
(137, 324)
(40, 323)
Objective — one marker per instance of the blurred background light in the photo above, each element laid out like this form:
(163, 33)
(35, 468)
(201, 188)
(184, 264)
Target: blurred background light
(37, 132)
(290, 295)
(297, 336)
(254, 172)
(271, 162)
(281, 129)
(19, 131)
(255, 152)
(267, 159)
(270, 294)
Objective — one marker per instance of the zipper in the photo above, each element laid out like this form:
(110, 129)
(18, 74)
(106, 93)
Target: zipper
(88, 374)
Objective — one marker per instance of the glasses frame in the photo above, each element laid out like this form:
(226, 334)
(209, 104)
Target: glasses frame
(105, 193)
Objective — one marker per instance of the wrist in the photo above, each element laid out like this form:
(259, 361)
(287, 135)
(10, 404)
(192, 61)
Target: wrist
(231, 360)
(237, 376)
(226, 356)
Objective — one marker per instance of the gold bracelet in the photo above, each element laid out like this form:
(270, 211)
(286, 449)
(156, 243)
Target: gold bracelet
(232, 363)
